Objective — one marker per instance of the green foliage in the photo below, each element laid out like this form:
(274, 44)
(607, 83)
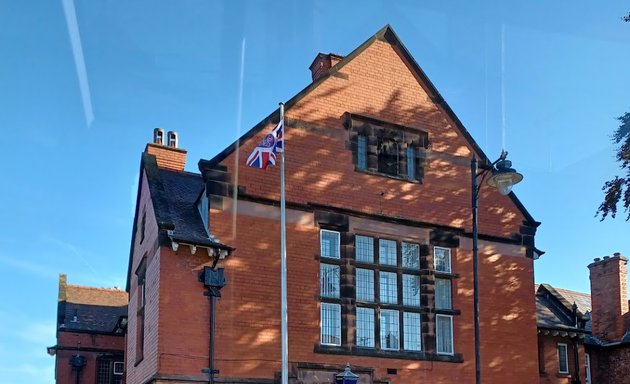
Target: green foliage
(617, 190)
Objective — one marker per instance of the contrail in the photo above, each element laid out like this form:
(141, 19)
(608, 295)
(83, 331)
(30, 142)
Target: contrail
(79, 61)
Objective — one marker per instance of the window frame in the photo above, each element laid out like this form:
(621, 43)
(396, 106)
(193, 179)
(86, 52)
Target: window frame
(381, 246)
(334, 282)
(450, 260)
(388, 296)
(383, 146)
(321, 243)
(566, 358)
(371, 329)
(403, 246)
(405, 334)
(337, 326)
(395, 319)
(449, 297)
(413, 301)
(397, 277)
(437, 335)
(369, 287)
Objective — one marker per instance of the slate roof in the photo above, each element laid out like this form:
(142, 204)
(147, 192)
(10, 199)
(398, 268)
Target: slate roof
(582, 300)
(87, 309)
(554, 309)
(92, 318)
(549, 316)
(175, 195)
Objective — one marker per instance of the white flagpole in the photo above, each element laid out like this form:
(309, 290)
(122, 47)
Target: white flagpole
(283, 263)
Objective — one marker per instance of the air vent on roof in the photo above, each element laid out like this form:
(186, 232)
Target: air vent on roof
(172, 139)
(158, 136)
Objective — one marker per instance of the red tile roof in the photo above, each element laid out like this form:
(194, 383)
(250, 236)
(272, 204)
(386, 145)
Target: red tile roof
(96, 296)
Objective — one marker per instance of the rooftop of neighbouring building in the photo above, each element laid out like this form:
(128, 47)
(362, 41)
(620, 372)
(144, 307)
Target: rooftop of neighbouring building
(554, 309)
(89, 309)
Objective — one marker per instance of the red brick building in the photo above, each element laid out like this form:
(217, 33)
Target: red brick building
(590, 329)
(609, 347)
(379, 244)
(90, 335)
(564, 327)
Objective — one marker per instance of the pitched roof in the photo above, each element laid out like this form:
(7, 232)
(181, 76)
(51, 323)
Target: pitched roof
(174, 195)
(89, 309)
(555, 311)
(91, 318)
(108, 297)
(582, 300)
(384, 34)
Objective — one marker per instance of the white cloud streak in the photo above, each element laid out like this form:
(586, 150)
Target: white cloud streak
(71, 249)
(29, 267)
(79, 61)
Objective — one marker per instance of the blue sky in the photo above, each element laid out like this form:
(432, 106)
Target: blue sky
(83, 84)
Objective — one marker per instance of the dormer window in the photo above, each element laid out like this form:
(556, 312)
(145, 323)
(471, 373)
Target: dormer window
(387, 149)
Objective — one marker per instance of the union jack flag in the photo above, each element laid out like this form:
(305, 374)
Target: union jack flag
(265, 153)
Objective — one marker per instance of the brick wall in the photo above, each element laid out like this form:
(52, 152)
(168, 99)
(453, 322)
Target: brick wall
(138, 372)
(167, 157)
(185, 313)
(91, 346)
(319, 169)
(611, 365)
(319, 165)
(248, 322)
(609, 296)
(549, 360)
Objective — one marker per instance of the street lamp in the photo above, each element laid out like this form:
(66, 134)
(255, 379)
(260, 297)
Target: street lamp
(346, 377)
(503, 178)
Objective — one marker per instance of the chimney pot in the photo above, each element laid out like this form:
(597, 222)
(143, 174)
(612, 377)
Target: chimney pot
(617, 254)
(597, 259)
(172, 139)
(158, 136)
(167, 155)
(322, 63)
(606, 257)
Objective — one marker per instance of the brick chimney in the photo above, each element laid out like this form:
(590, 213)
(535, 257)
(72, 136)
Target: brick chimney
(63, 287)
(322, 63)
(165, 150)
(609, 296)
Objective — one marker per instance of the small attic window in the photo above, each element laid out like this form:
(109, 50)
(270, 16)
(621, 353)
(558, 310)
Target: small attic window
(202, 206)
(75, 317)
(385, 148)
